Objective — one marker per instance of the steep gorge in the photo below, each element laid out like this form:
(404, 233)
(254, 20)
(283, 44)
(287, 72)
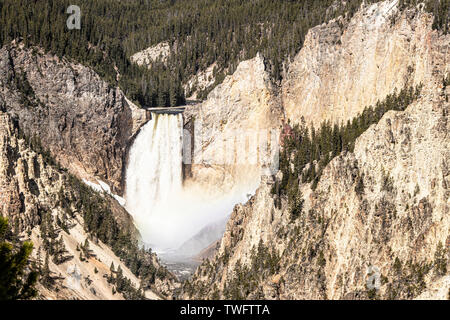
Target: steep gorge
(60, 216)
(345, 66)
(379, 213)
(65, 132)
(343, 232)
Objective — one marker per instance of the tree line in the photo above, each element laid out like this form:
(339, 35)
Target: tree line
(200, 32)
(17, 279)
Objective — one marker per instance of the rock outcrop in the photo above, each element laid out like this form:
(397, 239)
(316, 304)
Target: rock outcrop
(346, 66)
(378, 223)
(158, 52)
(394, 230)
(243, 105)
(200, 81)
(85, 123)
(343, 67)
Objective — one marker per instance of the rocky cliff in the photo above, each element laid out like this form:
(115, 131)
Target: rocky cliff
(343, 67)
(86, 124)
(377, 224)
(380, 213)
(54, 210)
(245, 104)
(347, 65)
(147, 57)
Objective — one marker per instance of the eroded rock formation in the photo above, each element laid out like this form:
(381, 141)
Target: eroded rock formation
(346, 66)
(244, 104)
(377, 225)
(45, 204)
(85, 123)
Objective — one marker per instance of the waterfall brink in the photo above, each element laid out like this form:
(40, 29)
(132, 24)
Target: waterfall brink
(174, 221)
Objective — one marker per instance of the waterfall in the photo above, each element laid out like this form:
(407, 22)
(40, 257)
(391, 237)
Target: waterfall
(154, 173)
(168, 216)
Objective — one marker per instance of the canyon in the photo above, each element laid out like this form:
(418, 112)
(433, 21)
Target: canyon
(375, 226)
(345, 236)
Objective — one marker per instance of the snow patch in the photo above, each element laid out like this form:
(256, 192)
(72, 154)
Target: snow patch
(101, 187)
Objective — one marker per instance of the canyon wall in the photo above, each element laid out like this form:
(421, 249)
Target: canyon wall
(244, 104)
(377, 224)
(346, 66)
(343, 67)
(84, 122)
(45, 205)
(379, 213)
(382, 211)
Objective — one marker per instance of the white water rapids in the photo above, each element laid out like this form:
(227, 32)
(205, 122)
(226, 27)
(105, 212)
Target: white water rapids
(166, 214)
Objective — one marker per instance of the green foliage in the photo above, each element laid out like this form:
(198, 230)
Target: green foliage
(321, 259)
(440, 260)
(16, 281)
(397, 265)
(441, 12)
(372, 294)
(416, 190)
(359, 189)
(101, 224)
(224, 32)
(85, 250)
(264, 263)
(446, 81)
(408, 280)
(3, 228)
(439, 8)
(295, 198)
(58, 250)
(387, 182)
(27, 94)
(124, 286)
(34, 143)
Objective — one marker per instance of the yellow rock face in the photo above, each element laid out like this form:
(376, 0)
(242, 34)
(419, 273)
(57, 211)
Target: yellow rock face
(342, 69)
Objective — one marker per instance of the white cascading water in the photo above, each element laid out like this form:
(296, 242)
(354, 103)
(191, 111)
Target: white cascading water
(166, 214)
(154, 173)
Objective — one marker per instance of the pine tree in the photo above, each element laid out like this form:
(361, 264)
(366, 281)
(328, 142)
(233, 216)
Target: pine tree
(86, 248)
(15, 283)
(440, 260)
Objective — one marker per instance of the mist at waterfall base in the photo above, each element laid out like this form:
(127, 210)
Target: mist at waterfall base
(166, 214)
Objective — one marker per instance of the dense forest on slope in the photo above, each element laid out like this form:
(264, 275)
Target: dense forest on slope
(200, 32)
(439, 8)
(205, 31)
